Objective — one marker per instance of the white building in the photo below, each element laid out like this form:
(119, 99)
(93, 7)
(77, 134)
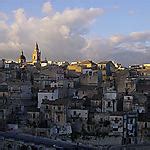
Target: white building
(87, 71)
(116, 121)
(110, 95)
(127, 103)
(51, 95)
(110, 101)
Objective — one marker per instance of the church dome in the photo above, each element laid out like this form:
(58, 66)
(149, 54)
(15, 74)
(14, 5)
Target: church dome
(22, 58)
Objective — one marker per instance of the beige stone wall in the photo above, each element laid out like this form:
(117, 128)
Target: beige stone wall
(89, 80)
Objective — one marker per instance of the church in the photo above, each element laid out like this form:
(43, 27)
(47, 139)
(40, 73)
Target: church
(36, 57)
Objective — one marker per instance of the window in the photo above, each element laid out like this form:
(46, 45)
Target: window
(33, 116)
(59, 108)
(76, 93)
(46, 116)
(58, 118)
(46, 106)
(68, 85)
(103, 67)
(116, 120)
(109, 104)
(131, 121)
(115, 129)
(74, 112)
(90, 73)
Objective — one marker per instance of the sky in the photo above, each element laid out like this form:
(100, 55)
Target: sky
(75, 30)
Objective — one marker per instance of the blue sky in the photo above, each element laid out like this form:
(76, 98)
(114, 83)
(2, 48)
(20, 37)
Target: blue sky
(120, 17)
(112, 30)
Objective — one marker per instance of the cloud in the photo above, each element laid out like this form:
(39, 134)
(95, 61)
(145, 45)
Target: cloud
(126, 49)
(3, 16)
(47, 7)
(60, 36)
(63, 36)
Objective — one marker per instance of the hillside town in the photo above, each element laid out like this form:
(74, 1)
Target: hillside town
(87, 103)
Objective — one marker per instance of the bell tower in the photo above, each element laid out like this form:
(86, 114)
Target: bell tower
(36, 55)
